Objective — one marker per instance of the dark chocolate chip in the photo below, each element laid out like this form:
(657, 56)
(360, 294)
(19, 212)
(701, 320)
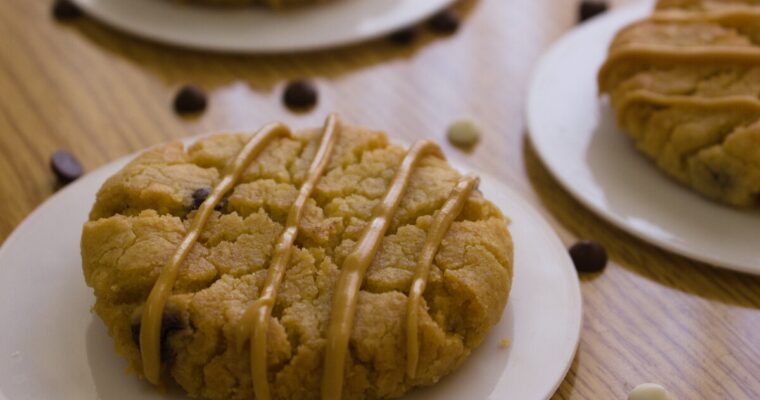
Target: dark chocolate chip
(199, 196)
(190, 99)
(446, 21)
(720, 178)
(222, 206)
(170, 322)
(65, 10)
(135, 327)
(591, 8)
(300, 94)
(404, 36)
(65, 166)
(588, 256)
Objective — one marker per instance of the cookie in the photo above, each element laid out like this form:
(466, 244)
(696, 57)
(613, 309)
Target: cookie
(685, 86)
(327, 263)
(706, 5)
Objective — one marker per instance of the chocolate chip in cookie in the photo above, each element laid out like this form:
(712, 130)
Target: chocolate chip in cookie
(170, 322)
(222, 206)
(199, 196)
(720, 178)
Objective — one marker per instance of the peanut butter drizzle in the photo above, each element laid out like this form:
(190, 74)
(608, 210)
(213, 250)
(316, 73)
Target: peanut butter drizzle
(443, 220)
(721, 17)
(354, 267)
(255, 321)
(150, 331)
(664, 54)
(730, 102)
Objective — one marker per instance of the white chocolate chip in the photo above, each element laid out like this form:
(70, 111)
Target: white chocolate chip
(463, 133)
(649, 391)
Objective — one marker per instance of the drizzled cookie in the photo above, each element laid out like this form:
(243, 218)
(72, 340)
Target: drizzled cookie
(323, 264)
(685, 85)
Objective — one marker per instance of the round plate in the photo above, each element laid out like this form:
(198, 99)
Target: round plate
(53, 347)
(574, 133)
(259, 29)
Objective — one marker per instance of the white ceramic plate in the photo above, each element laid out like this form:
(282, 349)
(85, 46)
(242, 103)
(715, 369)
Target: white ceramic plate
(258, 29)
(575, 135)
(52, 347)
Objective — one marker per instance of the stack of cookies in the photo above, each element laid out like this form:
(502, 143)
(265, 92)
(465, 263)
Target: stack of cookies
(685, 85)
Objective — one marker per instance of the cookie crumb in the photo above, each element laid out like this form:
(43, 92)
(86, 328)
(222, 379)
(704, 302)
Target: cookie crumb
(504, 343)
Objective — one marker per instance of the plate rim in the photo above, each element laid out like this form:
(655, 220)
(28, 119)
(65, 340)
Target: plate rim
(114, 22)
(572, 281)
(576, 193)
(551, 236)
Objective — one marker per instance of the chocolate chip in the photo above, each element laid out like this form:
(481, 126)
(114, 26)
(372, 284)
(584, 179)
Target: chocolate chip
(446, 21)
(199, 196)
(170, 322)
(300, 94)
(136, 333)
(190, 99)
(404, 36)
(65, 166)
(588, 256)
(222, 206)
(720, 177)
(591, 8)
(66, 10)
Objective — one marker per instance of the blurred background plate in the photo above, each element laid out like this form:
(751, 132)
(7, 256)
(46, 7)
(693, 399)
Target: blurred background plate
(250, 29)
(574, 133)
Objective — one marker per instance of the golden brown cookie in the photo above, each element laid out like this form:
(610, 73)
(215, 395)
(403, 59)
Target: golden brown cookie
(144, 212)
(685, 85)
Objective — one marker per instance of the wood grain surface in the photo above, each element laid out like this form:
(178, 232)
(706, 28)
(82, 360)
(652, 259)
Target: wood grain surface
(650, 316)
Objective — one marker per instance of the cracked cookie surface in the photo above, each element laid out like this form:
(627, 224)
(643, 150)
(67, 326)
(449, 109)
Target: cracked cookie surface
(685, 85)
(143, 212)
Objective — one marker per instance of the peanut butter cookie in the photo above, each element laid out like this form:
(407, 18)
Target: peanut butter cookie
(685, 85)
(327, 263)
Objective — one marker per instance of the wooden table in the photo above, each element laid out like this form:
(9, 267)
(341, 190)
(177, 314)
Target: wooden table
(650, 316)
